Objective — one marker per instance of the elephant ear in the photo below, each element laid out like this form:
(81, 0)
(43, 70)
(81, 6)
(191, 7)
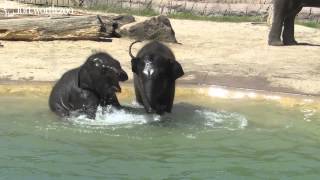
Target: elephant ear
(122, 75)
(176, 70)
(85, 80)
(134, 65)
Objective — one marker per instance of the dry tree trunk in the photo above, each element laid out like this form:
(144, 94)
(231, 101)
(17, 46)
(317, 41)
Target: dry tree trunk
(63, 28)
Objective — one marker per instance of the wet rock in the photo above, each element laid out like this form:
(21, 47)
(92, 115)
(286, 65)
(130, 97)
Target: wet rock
(154, 28)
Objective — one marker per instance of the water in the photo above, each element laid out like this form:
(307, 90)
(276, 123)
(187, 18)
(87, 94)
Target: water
(201, 139)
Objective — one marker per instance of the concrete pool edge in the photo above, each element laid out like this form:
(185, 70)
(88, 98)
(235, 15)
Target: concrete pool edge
(205, 79)
(212, 92)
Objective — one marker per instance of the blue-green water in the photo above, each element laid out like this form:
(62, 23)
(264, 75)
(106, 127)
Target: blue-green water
(225, 139)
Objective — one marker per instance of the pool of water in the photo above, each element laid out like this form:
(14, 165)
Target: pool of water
(206, 137)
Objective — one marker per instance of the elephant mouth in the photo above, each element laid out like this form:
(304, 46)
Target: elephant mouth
(110, 91)
(115, 89)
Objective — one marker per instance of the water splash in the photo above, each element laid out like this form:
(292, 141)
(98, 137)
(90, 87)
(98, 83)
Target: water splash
(111, 116)
(308, 114)
(184, 116)
(227, 120)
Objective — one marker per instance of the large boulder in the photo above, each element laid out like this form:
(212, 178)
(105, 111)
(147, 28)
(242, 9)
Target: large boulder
(154, 28)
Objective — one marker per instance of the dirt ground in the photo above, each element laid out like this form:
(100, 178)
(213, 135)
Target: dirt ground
(212, 53)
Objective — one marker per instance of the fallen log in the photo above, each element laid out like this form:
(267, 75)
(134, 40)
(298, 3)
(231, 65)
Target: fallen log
(62, 28)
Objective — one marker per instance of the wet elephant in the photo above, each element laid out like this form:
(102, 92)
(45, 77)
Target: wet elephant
(84, 88)
(155, 71)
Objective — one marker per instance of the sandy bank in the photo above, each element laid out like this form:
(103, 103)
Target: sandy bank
(212, 53)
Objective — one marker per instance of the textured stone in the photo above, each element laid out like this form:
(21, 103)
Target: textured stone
(154, 28)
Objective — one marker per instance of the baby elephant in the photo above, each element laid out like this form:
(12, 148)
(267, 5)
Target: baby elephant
(155, 70)
(84, 88)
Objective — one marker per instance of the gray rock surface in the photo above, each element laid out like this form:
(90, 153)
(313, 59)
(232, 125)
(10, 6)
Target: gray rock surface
(154, 28)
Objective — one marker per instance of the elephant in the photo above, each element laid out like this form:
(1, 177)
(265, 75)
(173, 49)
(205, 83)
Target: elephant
(84, 88)
(155, 71)
(285, 12)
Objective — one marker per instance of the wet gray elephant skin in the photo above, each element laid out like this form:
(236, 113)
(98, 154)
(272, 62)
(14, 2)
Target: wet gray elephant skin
(84, 88)
(155, 71)
(285, 12)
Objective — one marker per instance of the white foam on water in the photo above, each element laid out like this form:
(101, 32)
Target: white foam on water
(308, 100)
(272, 97)
(226, 93)
(238, 95)
(308, 114)
(182, 116)
(218, 92)
(136, 104)
(252, 95)
(190, 136)
(111, 116)
(227, 120)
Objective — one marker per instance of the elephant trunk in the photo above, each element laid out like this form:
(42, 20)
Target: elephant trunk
(147, 95)
(149, 92)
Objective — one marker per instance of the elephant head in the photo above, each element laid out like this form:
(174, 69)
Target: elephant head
(155, 71)
(101, 74)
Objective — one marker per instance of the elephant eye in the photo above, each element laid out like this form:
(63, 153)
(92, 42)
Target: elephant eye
(108, 69)
(103, 71)
(96, 62)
